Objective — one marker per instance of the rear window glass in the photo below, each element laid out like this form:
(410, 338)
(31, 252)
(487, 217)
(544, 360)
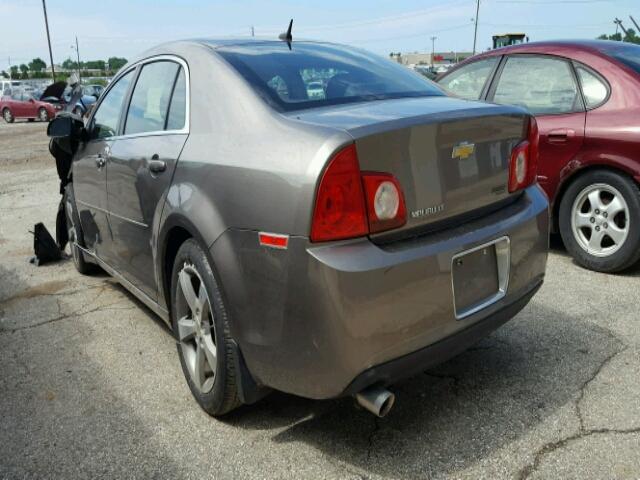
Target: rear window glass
(315, 75)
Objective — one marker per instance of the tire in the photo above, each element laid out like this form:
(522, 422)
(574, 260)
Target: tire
(215, 391)
(75, 233)
(605, 204)
(43, 115)
(8, 116)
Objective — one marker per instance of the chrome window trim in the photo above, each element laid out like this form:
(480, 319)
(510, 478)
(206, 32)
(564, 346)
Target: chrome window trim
(141, 63)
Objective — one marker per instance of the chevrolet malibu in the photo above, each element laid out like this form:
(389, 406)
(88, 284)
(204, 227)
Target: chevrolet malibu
(324, 246)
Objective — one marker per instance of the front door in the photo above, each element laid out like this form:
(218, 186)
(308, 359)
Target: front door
(141, 166)
(90, 169)
(547, 87)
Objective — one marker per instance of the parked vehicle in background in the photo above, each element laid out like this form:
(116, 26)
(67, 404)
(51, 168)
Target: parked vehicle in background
(322, 246)
(22, 105)
(584, 95)
(315, 90)
(7, 86)
(92, 90)
(59, 95)
(83, 104)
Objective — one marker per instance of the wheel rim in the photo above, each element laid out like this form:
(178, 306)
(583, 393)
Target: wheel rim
(75, 253)
(600, 220)
(196, 329)
(43, 115)
(7, 115)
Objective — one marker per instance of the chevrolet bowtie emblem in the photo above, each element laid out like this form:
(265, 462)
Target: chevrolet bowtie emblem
(463, 151)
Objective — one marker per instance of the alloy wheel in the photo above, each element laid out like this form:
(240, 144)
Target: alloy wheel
(7, 115)
(75, 253)
(600, 219)
(196, 328)
(44, 116)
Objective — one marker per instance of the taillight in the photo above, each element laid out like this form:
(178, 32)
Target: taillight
(344, 209)
(340, 211)
(523, 166)
(385, 201)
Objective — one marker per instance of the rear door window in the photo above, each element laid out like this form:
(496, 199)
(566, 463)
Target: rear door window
(178, 106)
(543, 85)
(149, 104)
(469, 81)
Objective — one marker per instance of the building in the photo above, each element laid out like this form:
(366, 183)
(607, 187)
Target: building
(439, 58)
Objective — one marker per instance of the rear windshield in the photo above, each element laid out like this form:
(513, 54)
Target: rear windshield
(314, 75)
(626, 53)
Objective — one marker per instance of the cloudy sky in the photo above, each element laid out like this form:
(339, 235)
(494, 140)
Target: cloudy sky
(125, 27)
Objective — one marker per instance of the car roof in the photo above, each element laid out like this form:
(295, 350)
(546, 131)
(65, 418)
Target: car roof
(558, 47)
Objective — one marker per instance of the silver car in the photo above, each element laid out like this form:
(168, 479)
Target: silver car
(319, 245)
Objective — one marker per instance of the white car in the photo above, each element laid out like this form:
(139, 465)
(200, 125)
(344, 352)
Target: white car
(315, 90)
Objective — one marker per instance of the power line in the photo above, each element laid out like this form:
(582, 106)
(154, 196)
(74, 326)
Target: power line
(475, 30)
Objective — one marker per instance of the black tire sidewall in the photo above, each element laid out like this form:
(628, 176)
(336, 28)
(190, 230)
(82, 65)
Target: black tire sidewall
(626, 256)
(212, 402)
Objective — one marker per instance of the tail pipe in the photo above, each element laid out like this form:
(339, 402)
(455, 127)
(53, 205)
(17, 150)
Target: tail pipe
(377, 400)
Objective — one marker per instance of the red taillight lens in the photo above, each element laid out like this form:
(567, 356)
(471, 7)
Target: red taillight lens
(385, 202)
(340, 210)
(523, 166)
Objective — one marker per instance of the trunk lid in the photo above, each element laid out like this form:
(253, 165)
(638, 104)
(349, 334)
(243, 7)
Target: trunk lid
(451, 156)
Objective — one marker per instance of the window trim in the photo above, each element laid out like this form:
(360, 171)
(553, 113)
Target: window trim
(494, 85)
(488, 81)
(137, 66)
(596, 74)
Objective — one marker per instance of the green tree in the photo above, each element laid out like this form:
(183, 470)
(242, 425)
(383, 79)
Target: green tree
(25, 71)
(94, 64)
(69, 64)
(37, 65)
(4, 74)
(14, 71)
(116, 63)
(630, 37)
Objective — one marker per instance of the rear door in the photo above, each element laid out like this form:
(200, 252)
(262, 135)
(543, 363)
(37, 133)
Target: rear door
(141, 166)
(548, 88)
(90, 172)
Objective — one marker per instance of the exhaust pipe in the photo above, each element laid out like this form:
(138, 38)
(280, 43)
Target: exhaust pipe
(377, 400)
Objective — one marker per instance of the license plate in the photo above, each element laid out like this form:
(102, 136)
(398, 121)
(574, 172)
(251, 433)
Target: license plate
(480, 276)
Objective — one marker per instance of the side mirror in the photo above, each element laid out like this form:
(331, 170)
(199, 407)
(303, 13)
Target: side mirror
(66, 132)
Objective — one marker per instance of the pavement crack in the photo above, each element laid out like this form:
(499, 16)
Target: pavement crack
(376, 429)
(583, 432)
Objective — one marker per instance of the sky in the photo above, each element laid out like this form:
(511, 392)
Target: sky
(124, 28)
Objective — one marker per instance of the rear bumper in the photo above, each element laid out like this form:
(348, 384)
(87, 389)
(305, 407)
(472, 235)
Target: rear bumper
(322, 321)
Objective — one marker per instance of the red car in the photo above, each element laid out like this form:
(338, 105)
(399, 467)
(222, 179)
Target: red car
(585, 96)
(23, 105)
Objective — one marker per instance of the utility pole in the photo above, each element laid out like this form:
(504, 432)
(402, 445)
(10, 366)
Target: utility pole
(475, 30)
(634, 22)
(9, 70)
(78, 54)
(618, 22)
(253, 32)
(46, 23)
(433, 50)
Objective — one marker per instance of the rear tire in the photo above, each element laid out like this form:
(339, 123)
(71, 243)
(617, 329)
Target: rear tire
(600, 221)
(201, 326)
(75, 233)
(8, 116)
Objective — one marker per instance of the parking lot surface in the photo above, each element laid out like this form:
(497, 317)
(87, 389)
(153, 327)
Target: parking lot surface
(91, 386)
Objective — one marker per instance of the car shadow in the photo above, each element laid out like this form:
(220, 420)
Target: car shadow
(452, 416)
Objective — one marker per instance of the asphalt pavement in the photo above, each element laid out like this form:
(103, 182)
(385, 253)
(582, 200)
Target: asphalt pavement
(91, 386)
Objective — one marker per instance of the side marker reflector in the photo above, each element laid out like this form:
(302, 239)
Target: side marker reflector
(274, 240)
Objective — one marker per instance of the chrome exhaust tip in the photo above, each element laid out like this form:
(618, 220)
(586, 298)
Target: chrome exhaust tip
(377, 400)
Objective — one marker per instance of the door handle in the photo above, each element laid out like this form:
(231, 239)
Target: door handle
(561, 135)
(156, 165)
(100, 161)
